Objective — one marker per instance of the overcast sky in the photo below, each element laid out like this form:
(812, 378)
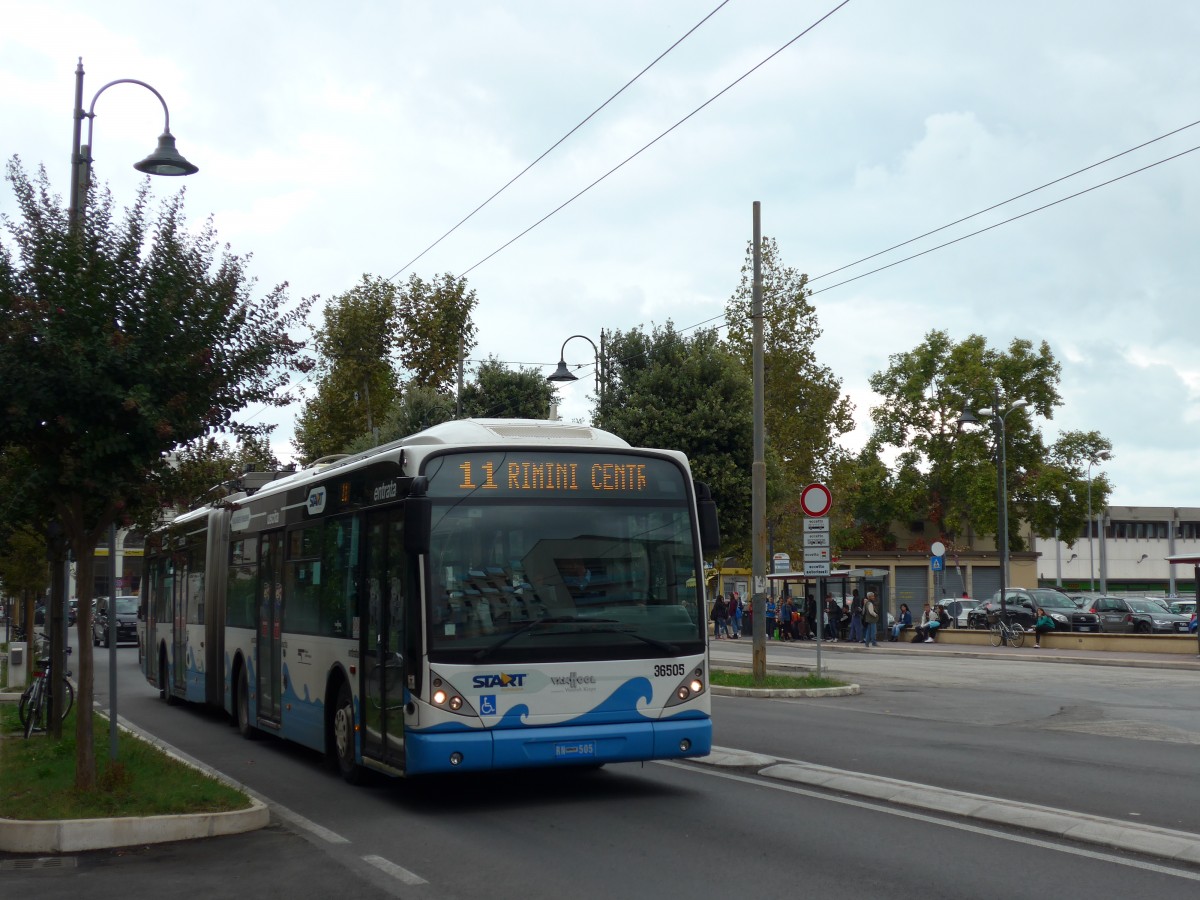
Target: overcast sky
(335, 140)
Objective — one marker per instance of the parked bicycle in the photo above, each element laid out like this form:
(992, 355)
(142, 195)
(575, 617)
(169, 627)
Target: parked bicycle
(35, 708)
(1005, 631)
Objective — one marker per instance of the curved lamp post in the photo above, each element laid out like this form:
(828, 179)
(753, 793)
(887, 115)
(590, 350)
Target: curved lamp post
(563, 374)
(165, 160)
(998, 417)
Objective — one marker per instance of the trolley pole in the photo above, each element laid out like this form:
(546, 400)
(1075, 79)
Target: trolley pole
(758, 496)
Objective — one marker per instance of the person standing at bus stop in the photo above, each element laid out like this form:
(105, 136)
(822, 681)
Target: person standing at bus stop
(870, 618)
(733, 613)
(856, 622)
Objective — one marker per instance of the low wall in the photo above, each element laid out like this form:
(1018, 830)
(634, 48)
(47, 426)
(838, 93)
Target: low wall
(1127, 643)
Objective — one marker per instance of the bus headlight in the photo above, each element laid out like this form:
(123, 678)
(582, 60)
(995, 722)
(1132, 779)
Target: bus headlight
(445, 697)
(693, 685)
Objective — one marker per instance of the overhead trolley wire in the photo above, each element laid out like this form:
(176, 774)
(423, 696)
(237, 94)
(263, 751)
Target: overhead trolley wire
(590, 116)
(647, 146)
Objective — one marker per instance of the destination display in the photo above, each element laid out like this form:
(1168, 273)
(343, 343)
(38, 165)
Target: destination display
(512, 474)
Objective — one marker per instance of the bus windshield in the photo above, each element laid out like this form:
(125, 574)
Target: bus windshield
(547, 580)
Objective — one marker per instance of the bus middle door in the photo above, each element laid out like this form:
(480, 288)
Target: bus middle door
(383, 670)
(269, 651)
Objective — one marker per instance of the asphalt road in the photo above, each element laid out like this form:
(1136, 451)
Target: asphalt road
(676, 830)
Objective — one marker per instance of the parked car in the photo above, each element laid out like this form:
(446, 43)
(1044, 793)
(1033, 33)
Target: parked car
(126, 611)
(1182, 607)
(1023, 604)
(1137, 615)
(959, 609)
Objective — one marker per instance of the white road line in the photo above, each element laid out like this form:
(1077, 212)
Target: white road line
(308, 825)
(398, 872)
(945, 823)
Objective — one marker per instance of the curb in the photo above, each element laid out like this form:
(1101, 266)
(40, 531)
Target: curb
(1148, 840)
(72, 835)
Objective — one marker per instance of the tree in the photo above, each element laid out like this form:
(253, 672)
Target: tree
(804, 410)
(435, 329)
(946, 473)
(689, 394)
(118, 343)
(204, 469)
(355, 381)
(498, 392)
(417, 408)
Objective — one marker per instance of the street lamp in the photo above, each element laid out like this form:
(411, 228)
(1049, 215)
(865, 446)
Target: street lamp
(1095, 461)
(165, 160)
(563, 374)
(999, 417)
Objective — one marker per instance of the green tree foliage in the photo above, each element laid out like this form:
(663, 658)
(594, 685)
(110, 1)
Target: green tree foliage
(417, 408)
(355, 381)
(204, 469)
(498, 392)
(946, 471)
(690, 394)
(804, 410)
(435, 329)
(118, 343)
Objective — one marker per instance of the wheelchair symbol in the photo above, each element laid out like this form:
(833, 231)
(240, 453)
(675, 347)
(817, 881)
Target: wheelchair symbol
(487, 705)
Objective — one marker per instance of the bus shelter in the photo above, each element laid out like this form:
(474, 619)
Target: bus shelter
(841, 583)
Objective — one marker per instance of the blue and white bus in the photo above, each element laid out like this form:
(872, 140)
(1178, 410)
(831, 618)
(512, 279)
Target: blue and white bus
(486, 594)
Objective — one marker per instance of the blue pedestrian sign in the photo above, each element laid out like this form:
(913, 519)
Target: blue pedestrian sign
(937, 563)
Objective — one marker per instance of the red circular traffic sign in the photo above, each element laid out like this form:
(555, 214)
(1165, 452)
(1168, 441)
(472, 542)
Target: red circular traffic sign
(816, 500)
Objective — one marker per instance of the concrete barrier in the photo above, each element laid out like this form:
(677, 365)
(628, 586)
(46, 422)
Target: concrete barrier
(1115, 643)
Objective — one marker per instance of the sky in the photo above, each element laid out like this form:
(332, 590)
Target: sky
(337, 140)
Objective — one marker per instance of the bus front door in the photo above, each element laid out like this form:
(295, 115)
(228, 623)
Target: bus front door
(383, 671)
(268, 654)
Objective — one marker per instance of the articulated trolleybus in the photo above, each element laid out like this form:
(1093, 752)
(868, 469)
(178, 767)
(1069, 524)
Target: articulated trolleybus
(486, 594)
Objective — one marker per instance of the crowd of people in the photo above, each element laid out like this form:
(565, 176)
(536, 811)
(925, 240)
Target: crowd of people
(854, 619)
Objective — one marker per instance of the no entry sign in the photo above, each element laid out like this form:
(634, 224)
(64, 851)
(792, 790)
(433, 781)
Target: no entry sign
(816, 500)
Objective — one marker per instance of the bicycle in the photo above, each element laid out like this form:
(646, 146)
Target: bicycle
(34, 708)
(1005, 631)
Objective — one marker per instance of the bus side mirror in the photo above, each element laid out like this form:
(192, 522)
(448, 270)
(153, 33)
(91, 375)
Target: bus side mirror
(418, 518)
(710, 527)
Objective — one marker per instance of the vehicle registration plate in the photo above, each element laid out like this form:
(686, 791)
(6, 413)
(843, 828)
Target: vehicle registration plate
(575, 748)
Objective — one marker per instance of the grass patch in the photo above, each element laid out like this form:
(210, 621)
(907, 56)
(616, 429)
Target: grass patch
(37, 777)
(746, 680)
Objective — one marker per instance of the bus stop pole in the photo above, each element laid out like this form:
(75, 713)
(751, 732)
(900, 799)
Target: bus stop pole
(111, 624)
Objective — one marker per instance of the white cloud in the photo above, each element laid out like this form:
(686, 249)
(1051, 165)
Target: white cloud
(338, 141)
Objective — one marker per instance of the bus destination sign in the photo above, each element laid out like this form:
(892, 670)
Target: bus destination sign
(549, 474)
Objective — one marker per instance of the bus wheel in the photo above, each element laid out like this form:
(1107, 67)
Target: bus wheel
(343, 736)
(245, 729)
(164, 688)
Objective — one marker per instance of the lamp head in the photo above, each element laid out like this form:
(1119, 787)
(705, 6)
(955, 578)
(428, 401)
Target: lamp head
(562, 373)
(166, 160)
(968, 418)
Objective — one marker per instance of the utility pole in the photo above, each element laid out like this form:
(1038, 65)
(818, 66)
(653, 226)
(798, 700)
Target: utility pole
(758, 493)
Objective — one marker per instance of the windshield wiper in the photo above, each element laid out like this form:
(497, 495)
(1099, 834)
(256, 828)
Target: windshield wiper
(491, 648)
(653, 642)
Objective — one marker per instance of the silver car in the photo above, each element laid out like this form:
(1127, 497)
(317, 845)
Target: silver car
(1138, 615)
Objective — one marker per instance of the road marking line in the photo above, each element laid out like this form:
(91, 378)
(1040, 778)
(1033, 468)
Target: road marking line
(398, 872)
